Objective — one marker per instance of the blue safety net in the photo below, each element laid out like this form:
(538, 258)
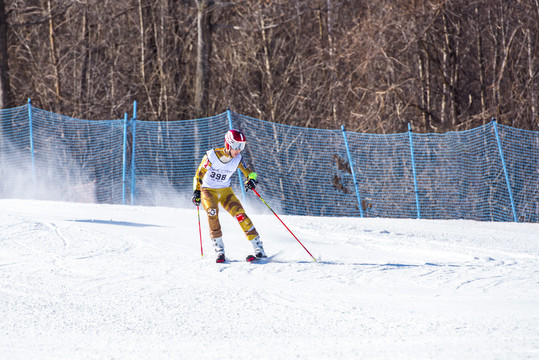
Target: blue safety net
(490, 173)
(297, 167)
(15, 154)
(384, 174)
(167, 155)
(460, 175)
(61, 158)
(521, 154)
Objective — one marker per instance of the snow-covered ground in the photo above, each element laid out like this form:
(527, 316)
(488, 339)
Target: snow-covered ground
(86, 281)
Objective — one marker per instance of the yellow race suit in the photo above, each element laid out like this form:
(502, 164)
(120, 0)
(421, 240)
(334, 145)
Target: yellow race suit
(212, 178)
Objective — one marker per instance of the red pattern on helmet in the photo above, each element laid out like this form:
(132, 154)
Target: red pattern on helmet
(234, 136)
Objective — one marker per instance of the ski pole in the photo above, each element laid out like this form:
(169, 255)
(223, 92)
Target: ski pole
(200, 231)
(283, 223)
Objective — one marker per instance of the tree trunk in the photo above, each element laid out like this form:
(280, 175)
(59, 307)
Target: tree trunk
(143, 59)
(85, 60)
(423, 65)
(533, 90)
(53, 54)
(5, 88)
(445, 73)
(267, 68)
(204, 8)
(159, 30)
(482, 77)
(332, 66)
(454, 82)
(424, 91)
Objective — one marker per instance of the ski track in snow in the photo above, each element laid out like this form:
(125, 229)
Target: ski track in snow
(118, 282)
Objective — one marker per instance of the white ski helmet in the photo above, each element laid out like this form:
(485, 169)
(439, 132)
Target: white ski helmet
(235, 139)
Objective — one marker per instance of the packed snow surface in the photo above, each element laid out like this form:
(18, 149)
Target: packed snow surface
(87, 281)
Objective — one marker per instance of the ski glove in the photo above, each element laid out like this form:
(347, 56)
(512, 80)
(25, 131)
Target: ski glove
(251, 181)
(196, 197)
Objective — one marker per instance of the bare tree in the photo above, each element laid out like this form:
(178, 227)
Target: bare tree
(5, 87)
(53, 52)
(371, 66)
(204, 10)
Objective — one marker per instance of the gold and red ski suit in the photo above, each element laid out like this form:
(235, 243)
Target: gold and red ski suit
(211, 197)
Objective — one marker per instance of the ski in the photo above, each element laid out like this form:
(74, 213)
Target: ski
(220, 259)
(251, 258)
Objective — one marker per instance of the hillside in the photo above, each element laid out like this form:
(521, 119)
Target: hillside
(115, 282)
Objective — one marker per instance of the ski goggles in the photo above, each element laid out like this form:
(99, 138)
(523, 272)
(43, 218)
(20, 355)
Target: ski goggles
(238, 145)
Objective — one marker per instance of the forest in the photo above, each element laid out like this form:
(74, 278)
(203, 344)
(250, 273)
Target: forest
(371, 65)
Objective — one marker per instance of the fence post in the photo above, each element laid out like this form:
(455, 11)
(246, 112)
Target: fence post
(352, 169)
(124, 159)
(133, 134)
(505, 170)
(414, 171)
(239, 171)
(32, 154)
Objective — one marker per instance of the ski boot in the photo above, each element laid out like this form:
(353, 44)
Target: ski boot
(219, 249)
(258, 248)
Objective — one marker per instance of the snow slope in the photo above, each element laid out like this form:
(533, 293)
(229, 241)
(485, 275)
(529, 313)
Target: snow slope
(86, 281)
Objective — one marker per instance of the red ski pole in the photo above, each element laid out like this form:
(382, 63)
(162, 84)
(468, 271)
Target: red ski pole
(200, 231)
(283, 224)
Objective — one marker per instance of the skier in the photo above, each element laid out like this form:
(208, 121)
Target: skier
(211, 187)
